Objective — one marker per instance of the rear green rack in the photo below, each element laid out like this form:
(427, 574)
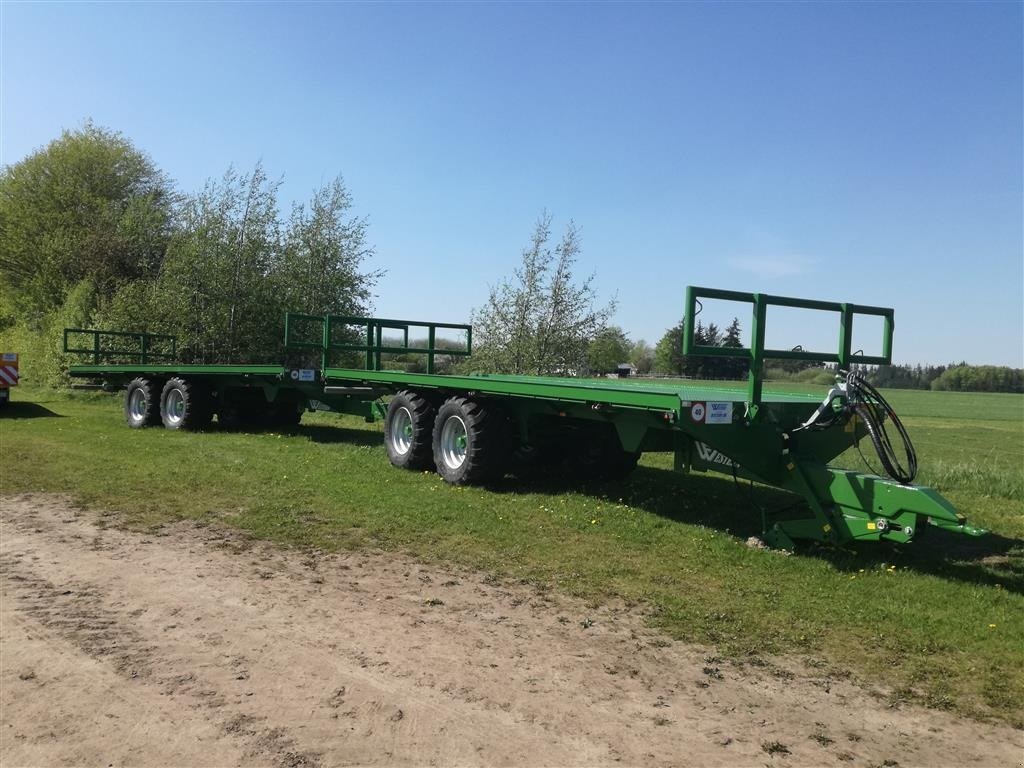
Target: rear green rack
(757, 353)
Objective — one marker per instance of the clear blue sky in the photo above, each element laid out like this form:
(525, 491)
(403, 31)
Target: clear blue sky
(869, 152)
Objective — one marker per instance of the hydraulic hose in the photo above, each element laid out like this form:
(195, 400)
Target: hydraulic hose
(867, 402)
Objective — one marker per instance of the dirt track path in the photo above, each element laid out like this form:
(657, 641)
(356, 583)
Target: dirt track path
(196, 647)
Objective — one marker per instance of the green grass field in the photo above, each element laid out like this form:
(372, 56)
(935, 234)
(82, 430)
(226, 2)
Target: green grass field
(939, 622)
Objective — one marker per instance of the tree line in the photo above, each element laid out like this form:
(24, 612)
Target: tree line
(94, 234)
(954, 377)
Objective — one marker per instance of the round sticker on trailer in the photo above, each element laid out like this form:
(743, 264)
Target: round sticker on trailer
(697, 412)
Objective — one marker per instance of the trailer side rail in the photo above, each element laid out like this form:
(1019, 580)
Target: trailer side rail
(370, 338)
(142, 349)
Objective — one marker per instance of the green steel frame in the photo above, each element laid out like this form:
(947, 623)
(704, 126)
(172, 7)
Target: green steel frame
(754, 435)
(144, 352)
(372, 330)
(757, 353)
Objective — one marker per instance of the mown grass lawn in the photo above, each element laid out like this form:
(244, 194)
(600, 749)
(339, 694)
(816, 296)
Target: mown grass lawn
(940, 621)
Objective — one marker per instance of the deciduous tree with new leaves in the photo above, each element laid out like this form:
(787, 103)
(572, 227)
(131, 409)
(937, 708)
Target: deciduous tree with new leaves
(542, 319)
(88, 207)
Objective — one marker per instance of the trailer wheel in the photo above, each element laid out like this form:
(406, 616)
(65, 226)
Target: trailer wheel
(185, 404)
(467, 441)
(408, 427)
(141, 403)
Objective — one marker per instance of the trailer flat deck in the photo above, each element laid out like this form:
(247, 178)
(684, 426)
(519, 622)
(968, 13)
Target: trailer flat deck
(618, 392)
(609, 391)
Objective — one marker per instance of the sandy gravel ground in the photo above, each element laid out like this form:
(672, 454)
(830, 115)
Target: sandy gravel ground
(196, 647)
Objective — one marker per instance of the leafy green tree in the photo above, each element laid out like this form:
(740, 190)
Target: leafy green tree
(233, 268)
(542, 320)
(980, 378)
(641, 355)
(668, 352)
(216, 289)
(87, 207)
(324, 251)
(608, 349)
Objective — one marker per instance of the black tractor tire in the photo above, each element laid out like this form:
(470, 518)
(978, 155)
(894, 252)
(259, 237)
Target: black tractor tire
(185, 404)
(408, 431)
(142, 403)
(469, 441)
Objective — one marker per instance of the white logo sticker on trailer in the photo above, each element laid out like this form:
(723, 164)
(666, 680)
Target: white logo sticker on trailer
(710, 455)
(307, 374)
(10, 357)
(719, 413)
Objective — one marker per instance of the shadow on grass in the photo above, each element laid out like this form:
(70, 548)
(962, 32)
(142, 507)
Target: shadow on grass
(718, 503)
(695, 499)
(990, 560)
(317, 433)
(22, 410)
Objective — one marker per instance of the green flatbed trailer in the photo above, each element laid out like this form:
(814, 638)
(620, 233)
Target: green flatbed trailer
(474, 428)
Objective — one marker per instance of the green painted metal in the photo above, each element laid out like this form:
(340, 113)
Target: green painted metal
(372, 330)
(121, 371)
(751, 433)
(757, 353)
(143, 353)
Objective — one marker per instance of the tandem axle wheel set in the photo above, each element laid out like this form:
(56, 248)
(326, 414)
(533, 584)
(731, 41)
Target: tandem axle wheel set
(474, 428)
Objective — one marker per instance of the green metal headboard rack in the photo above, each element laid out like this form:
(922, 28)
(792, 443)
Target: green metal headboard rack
(757, 353)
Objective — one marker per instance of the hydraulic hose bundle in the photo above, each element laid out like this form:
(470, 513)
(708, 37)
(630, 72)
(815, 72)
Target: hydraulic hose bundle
(867, 402)
(856, 395)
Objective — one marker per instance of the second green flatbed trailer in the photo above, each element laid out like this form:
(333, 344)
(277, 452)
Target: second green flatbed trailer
(473, 428)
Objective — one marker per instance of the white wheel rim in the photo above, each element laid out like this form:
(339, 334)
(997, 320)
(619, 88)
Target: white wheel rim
(137, 404)
(175, 406)
(453, 442)
(401, 432)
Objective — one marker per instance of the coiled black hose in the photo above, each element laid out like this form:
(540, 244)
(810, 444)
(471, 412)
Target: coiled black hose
(867, 402)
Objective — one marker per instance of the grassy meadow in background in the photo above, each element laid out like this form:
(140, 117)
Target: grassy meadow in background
(940, 621)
